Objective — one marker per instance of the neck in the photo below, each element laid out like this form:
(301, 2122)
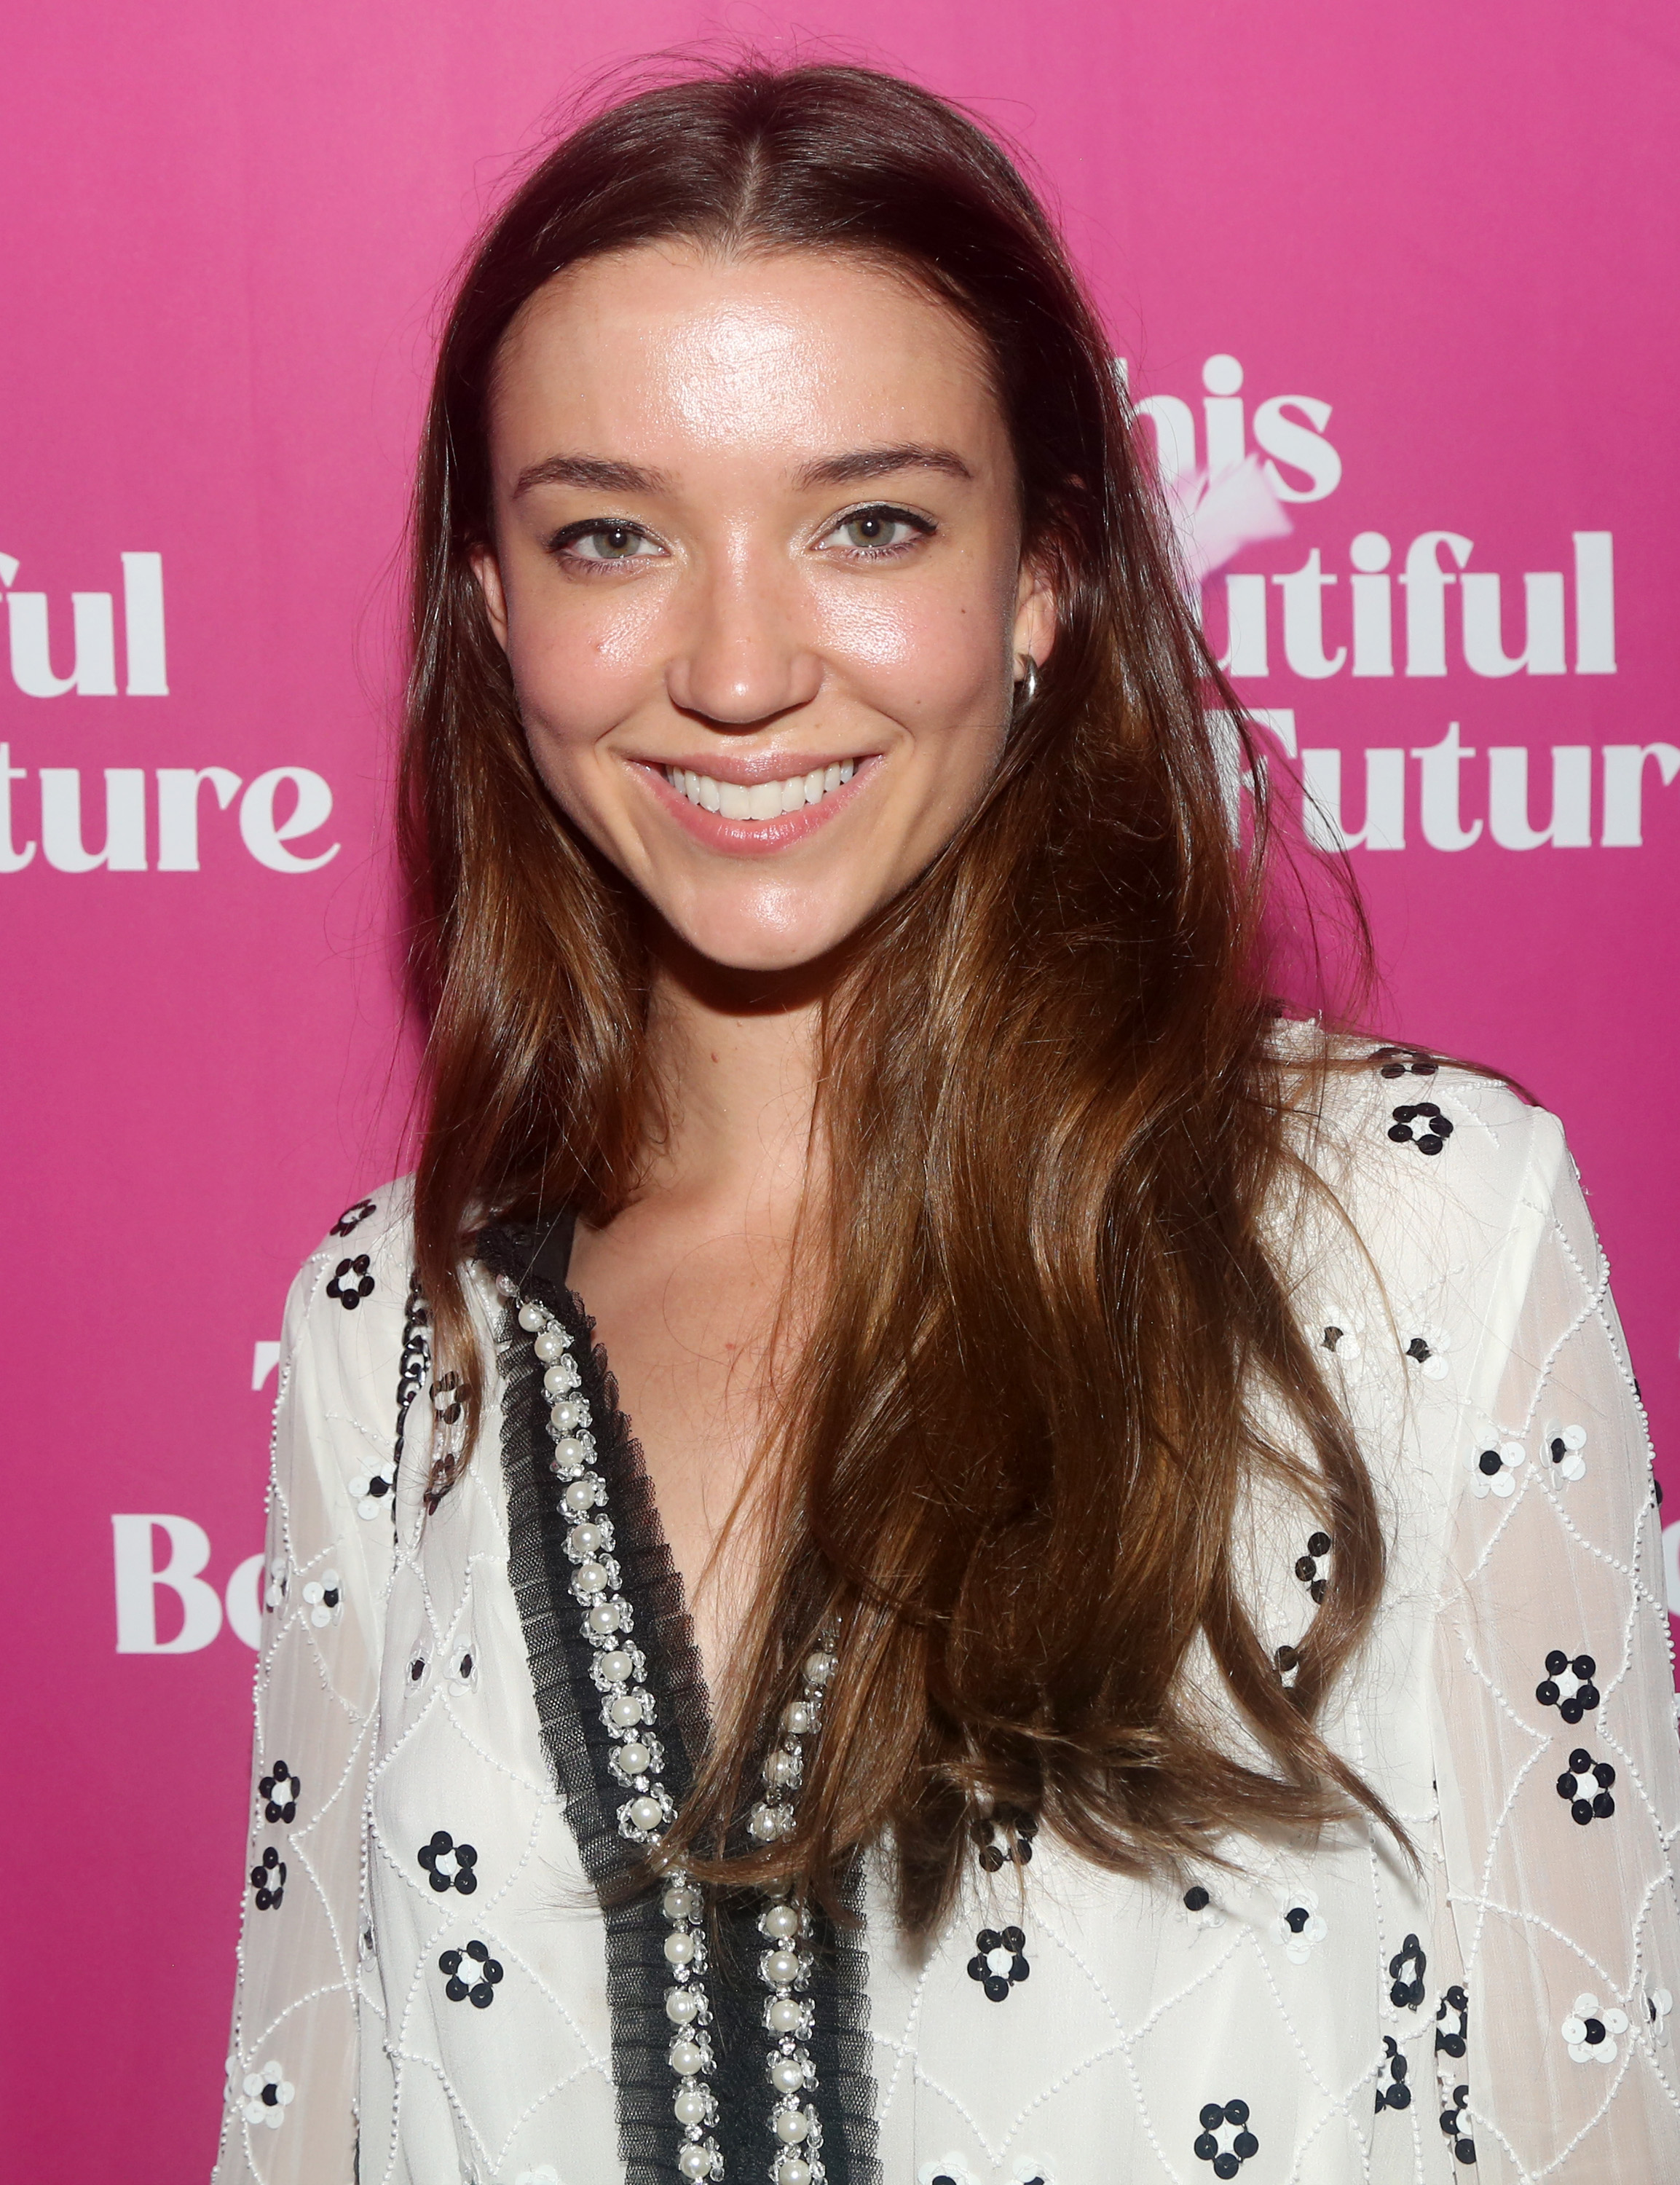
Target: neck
(736, 1057)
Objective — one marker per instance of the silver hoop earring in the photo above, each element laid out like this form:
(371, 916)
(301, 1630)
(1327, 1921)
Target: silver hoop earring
(1027, 689)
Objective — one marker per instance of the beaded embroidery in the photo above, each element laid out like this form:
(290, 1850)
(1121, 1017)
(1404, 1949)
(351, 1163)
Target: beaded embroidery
(619, 1670)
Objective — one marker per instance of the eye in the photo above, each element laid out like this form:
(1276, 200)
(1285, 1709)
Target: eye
(872, 532)
(604, 541)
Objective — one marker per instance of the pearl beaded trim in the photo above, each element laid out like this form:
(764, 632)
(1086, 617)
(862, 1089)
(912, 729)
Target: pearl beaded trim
(784, 1967)
(618, 1671)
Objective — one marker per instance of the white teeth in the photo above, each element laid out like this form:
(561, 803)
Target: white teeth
(763, 800)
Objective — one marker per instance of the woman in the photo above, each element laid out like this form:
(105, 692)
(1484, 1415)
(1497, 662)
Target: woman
(1129, 1642)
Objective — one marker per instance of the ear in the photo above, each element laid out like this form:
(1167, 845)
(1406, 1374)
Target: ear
(1035, 632)
(488, 570)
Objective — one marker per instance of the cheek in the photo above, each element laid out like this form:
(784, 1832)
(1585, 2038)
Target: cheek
(581, 659)
(923, 651)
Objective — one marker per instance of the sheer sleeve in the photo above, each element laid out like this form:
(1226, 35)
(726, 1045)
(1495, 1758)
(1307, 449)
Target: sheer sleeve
(1558, 1770)
(292, 2072)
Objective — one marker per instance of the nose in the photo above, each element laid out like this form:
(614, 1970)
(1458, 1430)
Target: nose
(742, 658)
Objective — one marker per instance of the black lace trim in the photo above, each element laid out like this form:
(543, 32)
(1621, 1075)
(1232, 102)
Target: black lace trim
(576, 1743)
(412, 1373)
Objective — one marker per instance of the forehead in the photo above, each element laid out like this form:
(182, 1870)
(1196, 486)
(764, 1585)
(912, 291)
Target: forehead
(790, 354)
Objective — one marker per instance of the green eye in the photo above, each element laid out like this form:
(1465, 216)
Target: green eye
(872, 530)
(875, 532)
(614, 542)
(610, 539)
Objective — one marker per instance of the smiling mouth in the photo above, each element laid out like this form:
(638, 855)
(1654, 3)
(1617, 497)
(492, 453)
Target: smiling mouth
(759, 800)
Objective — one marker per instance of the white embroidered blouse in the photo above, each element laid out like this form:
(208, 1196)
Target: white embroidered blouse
(430, 1993)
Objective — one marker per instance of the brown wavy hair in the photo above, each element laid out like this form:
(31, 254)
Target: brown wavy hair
(1017, 1445)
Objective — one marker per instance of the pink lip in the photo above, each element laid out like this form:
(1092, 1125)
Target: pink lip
(748, 838)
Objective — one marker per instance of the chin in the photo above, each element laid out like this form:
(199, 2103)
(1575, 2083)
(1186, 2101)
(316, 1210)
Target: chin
(763, 952)
(746, 943)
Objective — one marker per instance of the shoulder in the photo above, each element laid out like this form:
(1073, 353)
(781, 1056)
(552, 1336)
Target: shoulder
(355, 1291)
(1434, 1163)
(349, 1366)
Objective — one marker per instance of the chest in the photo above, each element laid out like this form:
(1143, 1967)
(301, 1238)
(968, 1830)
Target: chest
(688, 1319)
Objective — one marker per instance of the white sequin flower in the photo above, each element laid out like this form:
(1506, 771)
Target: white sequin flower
(950, 2167)
(1492, 1468)
(1659, 2003)
(263, 2094)
(368, 1490)
(1563, 1445)
(321, 1597)
(1198, 1906)
(1340, 1332)
(1591, 2032)
(1299, 1926)
(544, 2174)
(1426, 1349)
(275, 1592)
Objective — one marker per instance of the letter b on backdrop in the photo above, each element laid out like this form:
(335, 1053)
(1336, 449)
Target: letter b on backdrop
(138, 1578)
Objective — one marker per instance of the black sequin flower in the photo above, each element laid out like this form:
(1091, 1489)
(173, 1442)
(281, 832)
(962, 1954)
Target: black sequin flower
(268, 1879)
(1585, 1784)
(1402, 1061)
(1391, 2091)
(1421, 1124)
(1225, 2139)
(280, 1790)
(449, 1865)
(1452, 2023)
(1307, 1566)
(470, 1975)
(1405, 1974)
(446, 1400)
(1453, 2123)
(1568, 1684)
(353, 1217)
(351, 1281)
(998, 1962)
(1004, 1835)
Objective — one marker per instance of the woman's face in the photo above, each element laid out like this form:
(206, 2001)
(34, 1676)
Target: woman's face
(757, 570)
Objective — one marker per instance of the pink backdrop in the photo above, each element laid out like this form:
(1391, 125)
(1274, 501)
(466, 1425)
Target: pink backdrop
(1449, 233)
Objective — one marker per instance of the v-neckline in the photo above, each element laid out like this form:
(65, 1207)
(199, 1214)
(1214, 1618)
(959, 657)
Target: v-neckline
(653, 1582)
(534, 1262)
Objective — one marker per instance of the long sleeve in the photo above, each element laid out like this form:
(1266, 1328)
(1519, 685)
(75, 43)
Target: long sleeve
(293, 2069)
(1558, 1769)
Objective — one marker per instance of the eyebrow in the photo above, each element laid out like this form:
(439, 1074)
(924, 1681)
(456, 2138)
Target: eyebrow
(862, 463)
(599, 474)
(594, 473)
